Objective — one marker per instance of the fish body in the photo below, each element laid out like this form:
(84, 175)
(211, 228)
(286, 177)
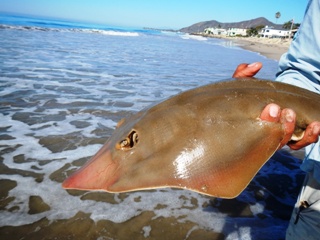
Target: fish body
(209, 139)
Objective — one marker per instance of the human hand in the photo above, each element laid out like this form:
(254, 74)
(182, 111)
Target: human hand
(287, 117)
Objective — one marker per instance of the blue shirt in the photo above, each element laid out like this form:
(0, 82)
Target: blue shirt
(300, 66)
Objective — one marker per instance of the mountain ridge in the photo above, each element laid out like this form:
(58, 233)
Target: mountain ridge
(200, 26)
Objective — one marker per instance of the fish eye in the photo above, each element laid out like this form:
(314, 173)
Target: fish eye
(129, 142)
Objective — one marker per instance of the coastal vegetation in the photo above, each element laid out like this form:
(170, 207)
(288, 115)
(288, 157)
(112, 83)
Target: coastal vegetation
(254, 31)
(287, 25)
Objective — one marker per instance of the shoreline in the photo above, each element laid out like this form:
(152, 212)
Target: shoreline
(272, 48)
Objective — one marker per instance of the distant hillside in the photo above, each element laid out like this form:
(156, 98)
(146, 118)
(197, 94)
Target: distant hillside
(199, 27)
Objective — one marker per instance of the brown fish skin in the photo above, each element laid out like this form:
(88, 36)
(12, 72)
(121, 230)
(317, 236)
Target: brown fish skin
(208, 139)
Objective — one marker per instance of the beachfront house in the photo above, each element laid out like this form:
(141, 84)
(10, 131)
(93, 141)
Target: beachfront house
(215, 31)
(232, 32)
(270, 32)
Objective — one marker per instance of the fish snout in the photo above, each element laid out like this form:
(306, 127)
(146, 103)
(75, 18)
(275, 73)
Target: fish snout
(99, 173)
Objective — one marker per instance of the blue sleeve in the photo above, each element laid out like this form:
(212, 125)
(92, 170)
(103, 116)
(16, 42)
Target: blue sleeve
(300, 66)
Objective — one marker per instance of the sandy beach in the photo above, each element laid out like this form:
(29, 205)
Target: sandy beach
(272, 48)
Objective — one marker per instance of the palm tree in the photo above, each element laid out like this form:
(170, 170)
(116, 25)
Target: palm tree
(278, 15)
(287, 25)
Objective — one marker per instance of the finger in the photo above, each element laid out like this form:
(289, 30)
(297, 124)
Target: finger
(288, 120)
(240, 68)
(287, 117)
(247, 70)
(311, 135)
(271, 113)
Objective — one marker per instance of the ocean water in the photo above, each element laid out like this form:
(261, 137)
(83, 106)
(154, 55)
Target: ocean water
(65, 85)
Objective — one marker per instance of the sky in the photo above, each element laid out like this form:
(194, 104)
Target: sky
(169, 14)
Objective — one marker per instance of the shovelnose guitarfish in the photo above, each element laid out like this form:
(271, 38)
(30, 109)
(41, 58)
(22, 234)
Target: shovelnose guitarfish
(208, 139)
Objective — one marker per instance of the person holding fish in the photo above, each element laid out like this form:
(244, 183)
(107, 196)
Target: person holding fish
(184, 141)
(300, 66)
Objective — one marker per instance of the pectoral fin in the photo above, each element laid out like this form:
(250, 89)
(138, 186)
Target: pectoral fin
(230, 179)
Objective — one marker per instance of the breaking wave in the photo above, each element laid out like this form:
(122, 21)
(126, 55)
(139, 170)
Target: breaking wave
(79, 30)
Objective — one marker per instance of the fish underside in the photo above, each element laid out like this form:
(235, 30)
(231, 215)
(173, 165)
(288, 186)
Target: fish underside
(208, 139)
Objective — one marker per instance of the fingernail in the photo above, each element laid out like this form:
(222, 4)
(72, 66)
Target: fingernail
(289, 115)
(316, 130)
(274, 111)
(253, 64)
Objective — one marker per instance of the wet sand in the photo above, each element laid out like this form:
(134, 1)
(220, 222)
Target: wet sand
(268, 189)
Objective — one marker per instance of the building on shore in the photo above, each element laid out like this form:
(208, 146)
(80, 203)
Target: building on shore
(215, 31)
(266, 32)
(232, 32)
(270, 32)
